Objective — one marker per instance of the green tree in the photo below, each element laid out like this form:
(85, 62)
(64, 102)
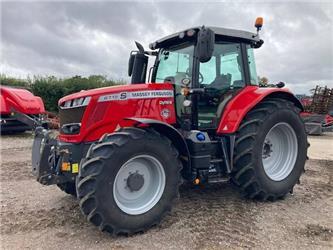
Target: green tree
(51, 88)
(15, 82)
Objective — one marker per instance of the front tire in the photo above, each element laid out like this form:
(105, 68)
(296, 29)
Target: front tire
(270, 150)
(129, 180)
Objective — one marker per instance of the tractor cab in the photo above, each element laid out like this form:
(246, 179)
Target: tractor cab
(206, 65)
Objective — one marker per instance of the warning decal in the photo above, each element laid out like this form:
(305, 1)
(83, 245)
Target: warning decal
(136, 95)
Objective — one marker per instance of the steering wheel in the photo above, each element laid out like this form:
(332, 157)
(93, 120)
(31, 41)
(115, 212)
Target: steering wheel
(201, 78)
(212, 96)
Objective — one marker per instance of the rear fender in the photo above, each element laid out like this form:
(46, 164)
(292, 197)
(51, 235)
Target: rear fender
(245, 100)
(173, 135)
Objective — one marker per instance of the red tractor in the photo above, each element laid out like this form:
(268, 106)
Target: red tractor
(201, 117)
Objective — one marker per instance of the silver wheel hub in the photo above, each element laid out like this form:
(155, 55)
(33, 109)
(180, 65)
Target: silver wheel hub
(139, 184)
(279, 151)
(135, 181)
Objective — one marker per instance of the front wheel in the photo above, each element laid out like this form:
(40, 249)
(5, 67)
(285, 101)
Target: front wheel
(129, 180)
(270, 150)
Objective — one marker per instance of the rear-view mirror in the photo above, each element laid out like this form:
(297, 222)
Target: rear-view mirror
(130, 64)
(140, 63)
(205, 44)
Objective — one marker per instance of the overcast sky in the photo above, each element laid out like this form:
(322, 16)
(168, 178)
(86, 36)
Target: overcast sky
(84, 38)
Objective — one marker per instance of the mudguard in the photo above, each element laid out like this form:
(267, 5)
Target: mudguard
(245, 100)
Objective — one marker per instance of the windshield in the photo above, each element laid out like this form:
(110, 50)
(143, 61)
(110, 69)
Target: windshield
(174, 64)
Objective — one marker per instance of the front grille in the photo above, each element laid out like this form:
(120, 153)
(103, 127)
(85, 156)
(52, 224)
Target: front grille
(71, 115)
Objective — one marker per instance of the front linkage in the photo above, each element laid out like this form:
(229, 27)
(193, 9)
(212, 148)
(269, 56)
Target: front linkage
(55, 162)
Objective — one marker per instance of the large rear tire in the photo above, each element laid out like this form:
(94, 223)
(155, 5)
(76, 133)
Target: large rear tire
(270, 150)
(129, 180)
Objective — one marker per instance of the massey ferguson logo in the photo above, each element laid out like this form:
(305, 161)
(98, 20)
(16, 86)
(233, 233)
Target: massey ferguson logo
(165, 113)
(137, 95)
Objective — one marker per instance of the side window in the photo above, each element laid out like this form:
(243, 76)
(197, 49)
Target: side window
(174, 63)
(252, 66)
(208, 71)
(231, 65)
(224, 69)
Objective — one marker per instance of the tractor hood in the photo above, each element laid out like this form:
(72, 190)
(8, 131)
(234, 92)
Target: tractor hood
(112, 90)
(87, 115)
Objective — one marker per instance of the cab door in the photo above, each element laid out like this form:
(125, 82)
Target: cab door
(175, 66)
(221, 77)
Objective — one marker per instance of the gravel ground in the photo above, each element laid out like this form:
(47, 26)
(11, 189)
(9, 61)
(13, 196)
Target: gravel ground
(212, 217)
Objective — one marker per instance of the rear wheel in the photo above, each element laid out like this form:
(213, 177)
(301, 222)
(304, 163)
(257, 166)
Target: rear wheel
(270, 150)
(129, 180)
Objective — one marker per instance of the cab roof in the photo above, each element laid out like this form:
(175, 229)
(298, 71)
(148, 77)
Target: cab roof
(220, 33)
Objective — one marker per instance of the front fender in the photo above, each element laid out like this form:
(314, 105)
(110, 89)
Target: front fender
(245, 100)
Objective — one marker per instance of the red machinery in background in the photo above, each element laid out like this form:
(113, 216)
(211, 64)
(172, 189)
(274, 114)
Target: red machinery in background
(20, 110)
(318, 115)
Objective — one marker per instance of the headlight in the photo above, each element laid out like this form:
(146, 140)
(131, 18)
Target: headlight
(74, 103)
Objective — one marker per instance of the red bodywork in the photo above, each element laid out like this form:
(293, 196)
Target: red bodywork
(20, 100)
(243, 102)
(104, 117)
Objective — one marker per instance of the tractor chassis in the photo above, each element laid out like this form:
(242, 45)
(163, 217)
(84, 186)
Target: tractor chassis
(57, 162)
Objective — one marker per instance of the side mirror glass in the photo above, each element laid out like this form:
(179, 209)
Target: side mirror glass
(205, 44)
(139, 69)
(130, 64)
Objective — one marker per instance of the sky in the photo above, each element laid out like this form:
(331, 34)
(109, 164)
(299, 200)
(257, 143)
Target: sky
(84, 38)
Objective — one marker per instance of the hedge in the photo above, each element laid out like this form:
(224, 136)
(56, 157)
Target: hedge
(51, 88)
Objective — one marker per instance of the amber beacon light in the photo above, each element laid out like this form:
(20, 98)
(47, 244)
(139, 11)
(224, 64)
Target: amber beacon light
(259, 22)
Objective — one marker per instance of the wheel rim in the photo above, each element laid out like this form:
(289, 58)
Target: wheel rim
(139, 184)
(279, 151)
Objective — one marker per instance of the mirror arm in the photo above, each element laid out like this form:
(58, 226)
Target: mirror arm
(151, 53)
(197, 91)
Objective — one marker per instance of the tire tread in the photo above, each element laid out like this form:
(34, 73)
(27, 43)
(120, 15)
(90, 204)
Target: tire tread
(90, 170)
(244, 174)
